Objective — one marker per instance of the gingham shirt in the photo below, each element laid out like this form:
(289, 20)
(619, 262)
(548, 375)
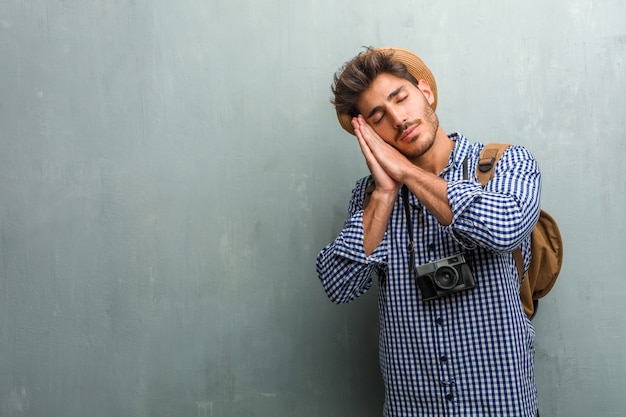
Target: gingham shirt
(469, 353)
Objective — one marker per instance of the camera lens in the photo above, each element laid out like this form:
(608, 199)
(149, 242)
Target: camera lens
(446, 277)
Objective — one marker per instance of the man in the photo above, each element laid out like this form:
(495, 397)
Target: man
(454, 339)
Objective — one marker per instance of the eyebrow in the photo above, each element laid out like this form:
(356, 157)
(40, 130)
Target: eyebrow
(389, 98)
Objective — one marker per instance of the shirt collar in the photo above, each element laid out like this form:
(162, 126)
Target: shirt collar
(460, 151)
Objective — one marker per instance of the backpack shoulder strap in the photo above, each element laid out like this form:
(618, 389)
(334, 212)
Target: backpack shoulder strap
(489, 156)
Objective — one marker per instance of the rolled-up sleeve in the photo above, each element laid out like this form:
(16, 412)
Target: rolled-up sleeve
(501, 215)
(342, 266)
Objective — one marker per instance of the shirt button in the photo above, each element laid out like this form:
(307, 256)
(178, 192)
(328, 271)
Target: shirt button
(439, 321)
(443, 358)
(449, 397)
(431, 246)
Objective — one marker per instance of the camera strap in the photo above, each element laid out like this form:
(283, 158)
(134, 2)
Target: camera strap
(407, 212)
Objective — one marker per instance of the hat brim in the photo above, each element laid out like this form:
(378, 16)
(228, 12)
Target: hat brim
(414, 65)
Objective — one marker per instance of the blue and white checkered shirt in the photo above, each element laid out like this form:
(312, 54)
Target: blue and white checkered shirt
(469, 353)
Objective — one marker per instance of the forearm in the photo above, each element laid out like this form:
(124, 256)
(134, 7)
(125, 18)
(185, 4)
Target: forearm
(432, 191)
(376, 218)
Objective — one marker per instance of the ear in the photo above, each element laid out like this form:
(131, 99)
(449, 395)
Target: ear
(428, 93)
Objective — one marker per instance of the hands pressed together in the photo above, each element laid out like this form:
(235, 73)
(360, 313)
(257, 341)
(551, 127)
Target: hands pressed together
(386, 164)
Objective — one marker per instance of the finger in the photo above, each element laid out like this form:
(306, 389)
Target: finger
(367, 152)
(368, 132)
(355, 123)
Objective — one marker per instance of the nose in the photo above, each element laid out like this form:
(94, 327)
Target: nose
(398, 118)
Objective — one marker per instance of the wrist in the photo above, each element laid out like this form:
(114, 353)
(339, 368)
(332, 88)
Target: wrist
(385, 196)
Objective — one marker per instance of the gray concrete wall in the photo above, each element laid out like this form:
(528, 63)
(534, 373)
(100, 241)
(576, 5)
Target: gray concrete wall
(169, 171)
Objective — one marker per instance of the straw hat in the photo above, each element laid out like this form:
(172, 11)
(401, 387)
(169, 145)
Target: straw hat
(416, 67)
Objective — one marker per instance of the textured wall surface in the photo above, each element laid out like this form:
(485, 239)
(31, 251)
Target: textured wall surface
(169, 171)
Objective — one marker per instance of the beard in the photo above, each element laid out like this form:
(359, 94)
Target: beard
(421, 143)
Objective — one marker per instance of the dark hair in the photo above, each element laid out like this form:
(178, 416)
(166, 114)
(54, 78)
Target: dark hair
(357, 75)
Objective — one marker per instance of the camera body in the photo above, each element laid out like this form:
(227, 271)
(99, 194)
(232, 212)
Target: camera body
(445, 276)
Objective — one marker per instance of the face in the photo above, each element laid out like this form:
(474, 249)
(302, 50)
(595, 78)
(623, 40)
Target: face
(400, 113)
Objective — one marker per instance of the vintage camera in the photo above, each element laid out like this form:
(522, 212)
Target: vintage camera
(444, 276)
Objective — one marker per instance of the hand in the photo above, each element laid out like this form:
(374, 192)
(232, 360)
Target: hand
(364, 134)
(384, 161)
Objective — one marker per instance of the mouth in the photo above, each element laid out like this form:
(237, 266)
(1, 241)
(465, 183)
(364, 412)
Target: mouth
(406, 135)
